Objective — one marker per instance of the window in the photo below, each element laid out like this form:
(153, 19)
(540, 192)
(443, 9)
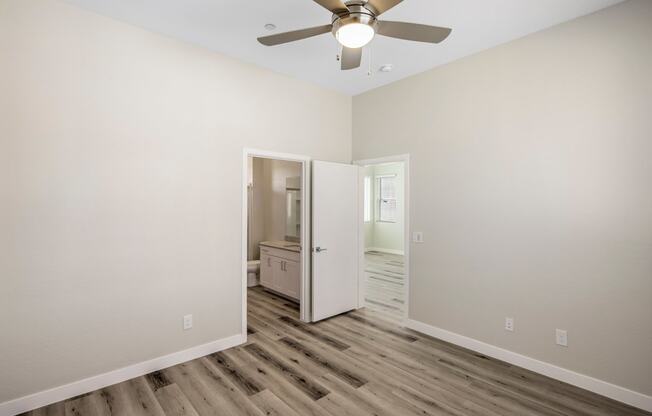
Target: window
(387, 198)
(367, 199)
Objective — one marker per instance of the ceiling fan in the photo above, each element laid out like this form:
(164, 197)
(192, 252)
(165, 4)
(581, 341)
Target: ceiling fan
(355, 23)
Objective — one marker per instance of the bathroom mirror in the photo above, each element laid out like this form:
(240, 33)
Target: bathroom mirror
(293, 209)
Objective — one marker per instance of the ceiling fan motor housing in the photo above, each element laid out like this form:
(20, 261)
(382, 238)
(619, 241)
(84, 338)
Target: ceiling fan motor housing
(359, 12)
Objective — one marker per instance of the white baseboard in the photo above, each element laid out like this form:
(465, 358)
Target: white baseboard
(57, 394)
(385, 250)
(595, 385)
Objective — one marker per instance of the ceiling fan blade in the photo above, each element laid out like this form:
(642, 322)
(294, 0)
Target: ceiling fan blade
(381, 6)
(413, 31)
(351, 58)
(286, 37)
(335, 6)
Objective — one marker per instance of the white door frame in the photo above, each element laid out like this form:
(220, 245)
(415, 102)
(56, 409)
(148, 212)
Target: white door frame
(305, 227)
(405, 158)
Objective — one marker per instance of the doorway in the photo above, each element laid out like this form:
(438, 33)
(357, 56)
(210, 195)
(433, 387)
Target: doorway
(327, 238)
(275, 230)
(384, 237)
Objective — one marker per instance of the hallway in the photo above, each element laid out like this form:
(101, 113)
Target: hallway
(385, 285)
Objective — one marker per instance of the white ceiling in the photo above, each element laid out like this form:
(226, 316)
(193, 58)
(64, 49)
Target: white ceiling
(231, 27)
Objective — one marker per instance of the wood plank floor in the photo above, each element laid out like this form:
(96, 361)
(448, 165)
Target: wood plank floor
(385, 285)
(354, 364)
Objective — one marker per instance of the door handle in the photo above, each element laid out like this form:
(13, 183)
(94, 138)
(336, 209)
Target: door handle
(320, 249)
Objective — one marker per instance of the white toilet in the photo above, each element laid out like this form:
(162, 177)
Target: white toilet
(253, 270)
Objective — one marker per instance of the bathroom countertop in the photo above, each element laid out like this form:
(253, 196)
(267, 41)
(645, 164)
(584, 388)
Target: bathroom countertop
(283, 245)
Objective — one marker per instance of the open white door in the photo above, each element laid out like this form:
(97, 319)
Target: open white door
(334, 239)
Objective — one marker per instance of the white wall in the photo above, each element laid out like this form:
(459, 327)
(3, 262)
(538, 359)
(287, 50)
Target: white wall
(386, 235)
(531, 180)
(369, 225)
(120, 188)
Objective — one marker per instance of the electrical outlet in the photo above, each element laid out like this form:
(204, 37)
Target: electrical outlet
(509, 324)
(562, 337)
(187, 322)
(417, 237)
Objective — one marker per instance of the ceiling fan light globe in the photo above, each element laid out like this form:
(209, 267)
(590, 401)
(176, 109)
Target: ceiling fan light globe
(355, 35)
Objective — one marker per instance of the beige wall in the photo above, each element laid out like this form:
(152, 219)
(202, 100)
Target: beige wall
(274, 203)
(268, 200)
(256, 206)
(531, 178)
(120, 188)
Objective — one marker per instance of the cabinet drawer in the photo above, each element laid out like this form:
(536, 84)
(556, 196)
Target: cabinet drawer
(277, 252)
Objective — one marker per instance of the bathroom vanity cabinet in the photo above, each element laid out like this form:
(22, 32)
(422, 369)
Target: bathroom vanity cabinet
(280, 267)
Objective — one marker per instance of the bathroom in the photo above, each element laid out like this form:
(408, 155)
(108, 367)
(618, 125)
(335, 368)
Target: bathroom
(274, 203)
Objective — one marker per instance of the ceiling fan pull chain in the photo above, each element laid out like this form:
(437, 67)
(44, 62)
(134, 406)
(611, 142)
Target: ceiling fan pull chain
(369, 71)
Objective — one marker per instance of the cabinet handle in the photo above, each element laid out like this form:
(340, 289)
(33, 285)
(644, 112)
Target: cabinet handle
(269, 261)
(283, 266)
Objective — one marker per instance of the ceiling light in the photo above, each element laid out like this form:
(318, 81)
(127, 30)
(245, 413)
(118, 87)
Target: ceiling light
(355, 35)
(270, 26)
